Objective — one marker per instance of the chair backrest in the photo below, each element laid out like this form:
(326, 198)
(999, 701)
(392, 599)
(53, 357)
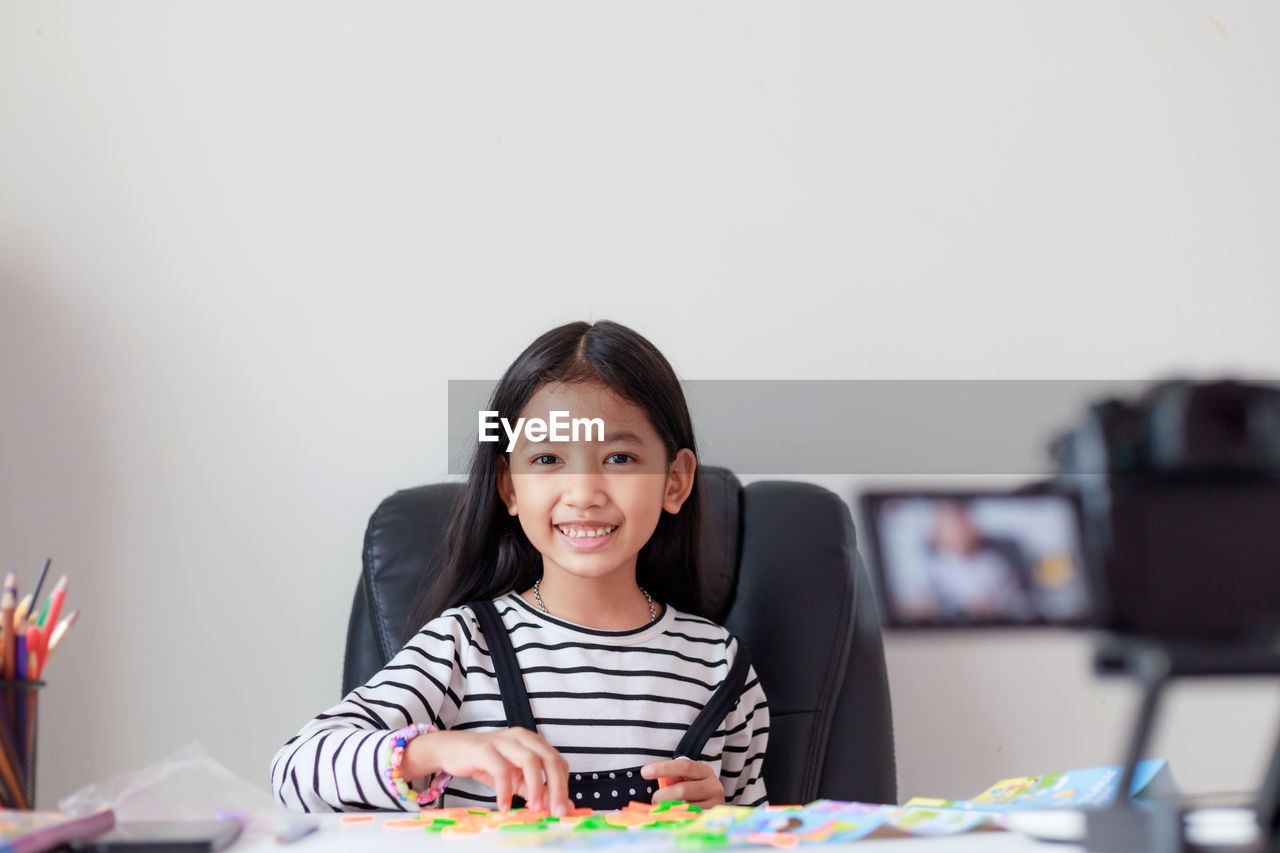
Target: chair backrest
(779, 567)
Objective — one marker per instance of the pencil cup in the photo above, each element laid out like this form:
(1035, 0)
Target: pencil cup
(18, 743)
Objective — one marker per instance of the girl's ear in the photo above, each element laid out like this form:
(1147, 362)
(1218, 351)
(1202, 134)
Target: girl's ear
(679, 480)
(506, 489)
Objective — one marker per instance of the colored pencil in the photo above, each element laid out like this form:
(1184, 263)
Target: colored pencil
(33, 652)
(55, 639)
(23, 608)
(35, 592)
(19, 716)
(6, 799)
(56, 598)
(7, 605)
(8, 642)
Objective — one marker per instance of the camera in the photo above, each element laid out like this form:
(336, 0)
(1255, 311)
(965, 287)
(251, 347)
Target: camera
(1162, 520)
(1179, 494)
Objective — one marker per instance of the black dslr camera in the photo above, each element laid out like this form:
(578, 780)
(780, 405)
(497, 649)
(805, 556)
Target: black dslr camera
(1163, 521)
(1179, 499)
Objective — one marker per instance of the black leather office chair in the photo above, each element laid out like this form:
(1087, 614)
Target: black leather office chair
(780, 569)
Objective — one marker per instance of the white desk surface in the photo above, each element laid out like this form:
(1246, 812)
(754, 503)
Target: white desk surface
(336, 836)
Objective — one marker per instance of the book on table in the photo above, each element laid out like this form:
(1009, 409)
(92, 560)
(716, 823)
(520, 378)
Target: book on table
(32, 832)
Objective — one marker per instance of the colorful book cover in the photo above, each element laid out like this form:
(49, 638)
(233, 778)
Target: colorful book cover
(1088, 788)
(834, 821)
(32, 832)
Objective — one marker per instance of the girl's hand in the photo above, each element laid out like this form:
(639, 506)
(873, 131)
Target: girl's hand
(692, 781)
(512, 761)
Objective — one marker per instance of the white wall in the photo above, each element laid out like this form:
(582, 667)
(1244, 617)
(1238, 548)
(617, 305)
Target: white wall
(244, 245)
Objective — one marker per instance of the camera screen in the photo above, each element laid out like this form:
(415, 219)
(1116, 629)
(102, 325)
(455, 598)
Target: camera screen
(978, 559)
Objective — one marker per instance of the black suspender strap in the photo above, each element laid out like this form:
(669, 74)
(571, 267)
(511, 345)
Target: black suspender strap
(717, 708)
(515, 701)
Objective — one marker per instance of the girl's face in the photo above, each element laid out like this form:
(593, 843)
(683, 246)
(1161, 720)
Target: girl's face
(589, 506)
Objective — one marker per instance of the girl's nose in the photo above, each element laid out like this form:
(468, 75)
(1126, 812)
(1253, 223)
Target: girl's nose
(584, 490)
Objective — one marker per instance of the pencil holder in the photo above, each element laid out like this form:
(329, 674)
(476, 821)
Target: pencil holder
(18, 743)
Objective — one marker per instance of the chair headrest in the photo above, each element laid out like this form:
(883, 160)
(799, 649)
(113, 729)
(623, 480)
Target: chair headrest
(720, 545)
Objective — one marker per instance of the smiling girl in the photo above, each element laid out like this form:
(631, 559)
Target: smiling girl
(564, 658)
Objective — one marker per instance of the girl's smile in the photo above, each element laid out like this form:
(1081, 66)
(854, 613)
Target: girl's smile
(586, 536)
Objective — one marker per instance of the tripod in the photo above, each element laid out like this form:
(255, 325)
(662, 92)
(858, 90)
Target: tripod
(1126, 826)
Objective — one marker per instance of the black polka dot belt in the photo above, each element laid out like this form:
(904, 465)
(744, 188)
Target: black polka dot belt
(611, 789)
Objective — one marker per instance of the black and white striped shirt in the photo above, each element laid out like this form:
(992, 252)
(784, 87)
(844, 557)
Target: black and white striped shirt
(604, 699)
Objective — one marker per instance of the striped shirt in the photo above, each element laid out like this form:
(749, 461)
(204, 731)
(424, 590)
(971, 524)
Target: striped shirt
(604, 699)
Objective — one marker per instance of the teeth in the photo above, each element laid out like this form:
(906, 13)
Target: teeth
(586, 532)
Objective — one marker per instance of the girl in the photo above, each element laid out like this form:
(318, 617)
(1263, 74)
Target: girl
(567, 661)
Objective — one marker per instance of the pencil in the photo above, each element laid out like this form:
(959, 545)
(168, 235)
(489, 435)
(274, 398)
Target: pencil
(33, 652)
(6, 799)
(47, 625)
(8, 643)
(20, 715)
(35, 591)
(55, 639)
(6, 621)
(24, 607)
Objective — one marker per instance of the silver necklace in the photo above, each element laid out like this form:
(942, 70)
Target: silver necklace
(653, 614)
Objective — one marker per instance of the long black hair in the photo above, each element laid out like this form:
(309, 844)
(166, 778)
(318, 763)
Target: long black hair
(486, 551)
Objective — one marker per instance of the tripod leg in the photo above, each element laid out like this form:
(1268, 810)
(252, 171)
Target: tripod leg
(1122, 827)
(1151, 689)
(1269, 804)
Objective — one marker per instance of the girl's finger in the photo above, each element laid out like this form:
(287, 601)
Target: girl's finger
(498, 768)
(526, 771)
(696, 792)
(695, 769)
(531, 771)
(712, 798)
(516, 776)
(682, 768)
(658, 768)
(558, 788)
(712, 793)
(557, 772)
(678, 791)
(702, 793)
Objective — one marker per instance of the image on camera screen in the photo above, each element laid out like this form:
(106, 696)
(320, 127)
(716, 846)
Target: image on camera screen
(991, 559)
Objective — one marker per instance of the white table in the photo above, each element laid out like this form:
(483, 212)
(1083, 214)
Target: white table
(1227, 826)
(336, 836)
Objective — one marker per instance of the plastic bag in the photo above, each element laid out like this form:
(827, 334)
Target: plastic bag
(189, 785)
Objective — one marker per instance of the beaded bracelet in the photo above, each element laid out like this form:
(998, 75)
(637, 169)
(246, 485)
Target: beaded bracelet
(393, 761)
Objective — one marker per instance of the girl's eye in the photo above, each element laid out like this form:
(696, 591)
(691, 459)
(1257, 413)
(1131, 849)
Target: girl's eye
(624, 457)
(544, 459)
